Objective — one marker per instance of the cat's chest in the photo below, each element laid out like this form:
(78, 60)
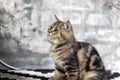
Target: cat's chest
(65, 57)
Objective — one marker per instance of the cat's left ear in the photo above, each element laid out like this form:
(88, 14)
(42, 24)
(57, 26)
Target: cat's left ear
(56, 19)
(67, 25)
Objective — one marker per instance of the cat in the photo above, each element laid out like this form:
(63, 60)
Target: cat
(73, 60)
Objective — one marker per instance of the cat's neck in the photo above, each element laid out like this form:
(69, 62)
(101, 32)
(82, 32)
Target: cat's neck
(60, 47)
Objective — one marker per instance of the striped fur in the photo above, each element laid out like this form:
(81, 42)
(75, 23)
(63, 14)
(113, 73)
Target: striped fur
(76, 60)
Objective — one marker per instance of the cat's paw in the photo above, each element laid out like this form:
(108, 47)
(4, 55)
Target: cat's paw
(51, 78)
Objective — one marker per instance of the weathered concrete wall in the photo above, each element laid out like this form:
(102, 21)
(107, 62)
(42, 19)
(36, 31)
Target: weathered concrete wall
(25, 22)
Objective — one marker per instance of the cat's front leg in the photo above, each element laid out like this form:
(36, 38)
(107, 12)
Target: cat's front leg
(71, 69)
(57, 75)
(72, 75)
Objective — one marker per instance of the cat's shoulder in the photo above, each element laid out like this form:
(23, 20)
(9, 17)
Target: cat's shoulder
(86, 46)
(83, 44)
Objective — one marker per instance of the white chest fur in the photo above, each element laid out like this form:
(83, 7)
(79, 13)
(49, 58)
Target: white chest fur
(60, 56)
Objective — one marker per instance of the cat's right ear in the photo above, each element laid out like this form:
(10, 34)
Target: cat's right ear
(67, 25)
(56, 19)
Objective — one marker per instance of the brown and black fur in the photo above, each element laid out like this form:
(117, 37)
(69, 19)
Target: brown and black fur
(74, 60)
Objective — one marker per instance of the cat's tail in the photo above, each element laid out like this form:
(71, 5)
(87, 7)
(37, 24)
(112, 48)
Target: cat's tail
(109, 75)
(8, 66)
(114, 75)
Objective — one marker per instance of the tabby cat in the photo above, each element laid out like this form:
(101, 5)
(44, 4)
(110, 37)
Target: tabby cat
(73, 60)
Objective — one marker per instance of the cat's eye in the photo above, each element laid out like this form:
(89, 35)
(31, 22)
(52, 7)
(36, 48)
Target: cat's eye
(56, 30)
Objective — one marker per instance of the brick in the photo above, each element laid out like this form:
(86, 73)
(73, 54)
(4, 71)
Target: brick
(104, 49)
(97, 19)
(117, 52)
(71, 5)
(74, 17)
(108, 35)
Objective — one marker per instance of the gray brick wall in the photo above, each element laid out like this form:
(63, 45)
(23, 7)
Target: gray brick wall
(94, 21)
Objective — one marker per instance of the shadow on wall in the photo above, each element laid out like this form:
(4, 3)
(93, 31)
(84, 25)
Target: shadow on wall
(13, 54)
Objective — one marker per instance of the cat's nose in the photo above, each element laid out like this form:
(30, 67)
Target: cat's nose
(48, 31)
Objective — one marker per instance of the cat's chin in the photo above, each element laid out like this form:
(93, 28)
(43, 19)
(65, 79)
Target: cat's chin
(57, 42)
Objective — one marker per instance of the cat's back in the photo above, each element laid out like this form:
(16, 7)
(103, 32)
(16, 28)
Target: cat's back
(89, 48)
(89, 55)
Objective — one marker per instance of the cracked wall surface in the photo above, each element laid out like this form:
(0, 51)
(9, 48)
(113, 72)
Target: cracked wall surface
(24, 23)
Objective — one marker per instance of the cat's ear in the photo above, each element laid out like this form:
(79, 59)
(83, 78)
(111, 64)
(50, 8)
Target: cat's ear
(67, 25)
(56, 19)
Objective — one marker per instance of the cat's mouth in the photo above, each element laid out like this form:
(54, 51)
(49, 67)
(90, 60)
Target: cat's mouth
(55, 40)
(50, 38)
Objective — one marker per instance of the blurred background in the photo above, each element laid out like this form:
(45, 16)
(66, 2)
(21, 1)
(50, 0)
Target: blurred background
(24, 24)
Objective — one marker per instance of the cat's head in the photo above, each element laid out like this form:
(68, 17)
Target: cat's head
(60, 32)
